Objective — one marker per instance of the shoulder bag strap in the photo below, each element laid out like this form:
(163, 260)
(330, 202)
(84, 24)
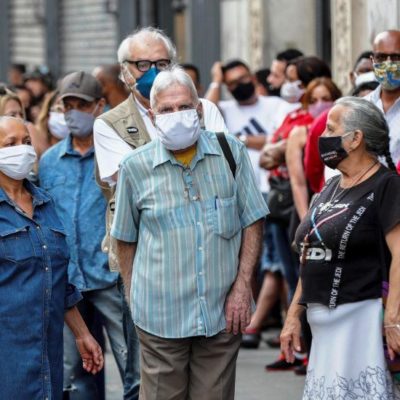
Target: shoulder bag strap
(227, 152)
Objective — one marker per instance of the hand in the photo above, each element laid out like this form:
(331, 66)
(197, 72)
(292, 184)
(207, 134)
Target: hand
(290, 338)
(91, 353)
(273, 155)
(392, 341)
(238, 307)
(216, 72)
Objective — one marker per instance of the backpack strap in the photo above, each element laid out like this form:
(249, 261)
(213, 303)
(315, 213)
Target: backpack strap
(227, 152)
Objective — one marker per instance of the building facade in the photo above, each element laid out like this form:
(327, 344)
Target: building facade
(67, 35)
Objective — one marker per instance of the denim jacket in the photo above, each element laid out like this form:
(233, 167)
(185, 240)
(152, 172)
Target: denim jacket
(69, 177)
(34, 293)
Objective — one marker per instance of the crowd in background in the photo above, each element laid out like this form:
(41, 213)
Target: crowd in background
(278, 113)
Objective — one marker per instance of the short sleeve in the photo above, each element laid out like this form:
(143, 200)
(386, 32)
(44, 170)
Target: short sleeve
(126, 219)
(110, 149)
(388, 202)
(72, 296)
(252, 206)
(213, 119)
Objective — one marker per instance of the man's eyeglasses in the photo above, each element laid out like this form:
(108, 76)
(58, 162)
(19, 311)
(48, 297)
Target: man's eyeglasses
(382, 57)
(145, 65)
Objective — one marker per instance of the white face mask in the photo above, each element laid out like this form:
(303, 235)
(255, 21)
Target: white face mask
(291, 91)
(365, 77)
(178, 130)
(17, 161)
(57, 125)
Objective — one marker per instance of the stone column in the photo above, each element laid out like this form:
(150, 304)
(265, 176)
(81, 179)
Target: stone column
(256, 33)
(342, 55)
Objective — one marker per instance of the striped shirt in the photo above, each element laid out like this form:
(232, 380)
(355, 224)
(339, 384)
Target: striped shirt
(187, 223)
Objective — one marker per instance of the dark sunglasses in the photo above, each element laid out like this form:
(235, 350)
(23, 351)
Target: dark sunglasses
(382, 57)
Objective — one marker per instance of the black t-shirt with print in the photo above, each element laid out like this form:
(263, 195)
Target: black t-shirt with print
(346, 253)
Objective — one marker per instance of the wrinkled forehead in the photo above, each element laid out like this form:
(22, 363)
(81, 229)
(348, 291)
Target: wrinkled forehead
(146, 47)
(387, 42)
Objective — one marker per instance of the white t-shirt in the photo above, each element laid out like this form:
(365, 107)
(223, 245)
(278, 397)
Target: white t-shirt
(260, 118)
(110, 148)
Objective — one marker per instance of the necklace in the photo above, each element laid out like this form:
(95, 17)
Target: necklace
(354, 182)
(306, 243)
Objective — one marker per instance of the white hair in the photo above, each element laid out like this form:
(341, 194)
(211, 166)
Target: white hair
(171, 77)
(124, 51)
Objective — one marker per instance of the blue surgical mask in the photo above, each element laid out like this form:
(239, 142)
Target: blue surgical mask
(145, 82)
(80, 123)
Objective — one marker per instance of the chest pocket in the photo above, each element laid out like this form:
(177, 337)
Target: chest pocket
(58, 242)
(16, 244)
(225, 216)
(53, 182)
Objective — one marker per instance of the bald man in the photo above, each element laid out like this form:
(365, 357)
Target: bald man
(386, 63)
(114, 90)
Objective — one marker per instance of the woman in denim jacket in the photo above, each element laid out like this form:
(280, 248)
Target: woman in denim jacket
(35, 297)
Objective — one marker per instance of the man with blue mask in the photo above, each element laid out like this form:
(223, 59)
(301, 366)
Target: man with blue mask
(188, 235)
(141, 55)
(386, 64)
(66, 171)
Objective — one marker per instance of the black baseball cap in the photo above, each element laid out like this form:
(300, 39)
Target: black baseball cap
(82, 85)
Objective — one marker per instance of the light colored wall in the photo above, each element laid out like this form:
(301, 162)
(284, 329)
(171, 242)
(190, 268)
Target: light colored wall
(255, 30)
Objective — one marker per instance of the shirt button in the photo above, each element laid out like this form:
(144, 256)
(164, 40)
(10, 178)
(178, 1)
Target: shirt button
(47, 268)
(200, 248)
(198, 223)
(38, 227)
(202, 298)
(44, 247)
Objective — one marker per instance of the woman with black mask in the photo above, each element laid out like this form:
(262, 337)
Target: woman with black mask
(348, 249)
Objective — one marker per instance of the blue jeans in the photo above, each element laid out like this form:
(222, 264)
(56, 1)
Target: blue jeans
(132, 370)
(107, 302)
(287, 257)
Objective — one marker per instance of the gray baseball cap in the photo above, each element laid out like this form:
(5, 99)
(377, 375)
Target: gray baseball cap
(82, 85)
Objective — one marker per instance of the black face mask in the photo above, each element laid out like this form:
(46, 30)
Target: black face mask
(331, 150)
(273, 91)
(243, 91)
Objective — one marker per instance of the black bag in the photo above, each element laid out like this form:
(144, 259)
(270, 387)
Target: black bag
(280, 200)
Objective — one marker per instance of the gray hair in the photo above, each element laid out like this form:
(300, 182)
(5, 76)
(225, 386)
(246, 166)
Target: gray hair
(171, 77)
(140, 34)
(5, 118)
(363, 115)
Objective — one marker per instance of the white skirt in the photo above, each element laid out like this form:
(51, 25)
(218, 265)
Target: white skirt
(346, 359)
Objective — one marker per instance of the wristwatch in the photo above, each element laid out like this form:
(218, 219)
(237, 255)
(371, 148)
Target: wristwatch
(243, 139)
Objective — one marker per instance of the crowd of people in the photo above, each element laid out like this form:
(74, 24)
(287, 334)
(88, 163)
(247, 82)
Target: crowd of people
(182, 221)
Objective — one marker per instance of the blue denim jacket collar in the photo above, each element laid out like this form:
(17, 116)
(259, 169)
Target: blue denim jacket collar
(67, 149)
(39, 196)
(204, 146)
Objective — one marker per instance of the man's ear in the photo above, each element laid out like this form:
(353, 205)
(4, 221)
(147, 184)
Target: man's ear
(100, 106)
(199, 109)
(152, 116)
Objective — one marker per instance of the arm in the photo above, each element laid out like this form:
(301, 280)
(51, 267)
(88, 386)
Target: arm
(125, 253)
(214, 89)
(392, 311)
(238, 301)
(291, 331)
(272, 155)
(294, 162)
(255, 142)
(89, 349)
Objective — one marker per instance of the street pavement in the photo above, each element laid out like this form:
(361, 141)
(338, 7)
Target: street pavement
(252, 381)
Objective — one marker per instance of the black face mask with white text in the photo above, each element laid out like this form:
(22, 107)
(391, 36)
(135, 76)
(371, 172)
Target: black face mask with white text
(331, 150)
